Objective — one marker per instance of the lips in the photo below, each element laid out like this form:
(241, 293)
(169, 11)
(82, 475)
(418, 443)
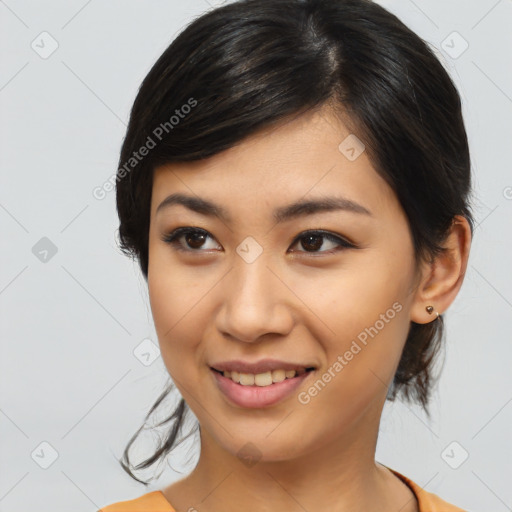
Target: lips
(260, 384)
(258, 395)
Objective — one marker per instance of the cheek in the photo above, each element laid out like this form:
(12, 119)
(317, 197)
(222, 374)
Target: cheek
(363, 313)
(361, 361)
(353, 298)
(176, 304)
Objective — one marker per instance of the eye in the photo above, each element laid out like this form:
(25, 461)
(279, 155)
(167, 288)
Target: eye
(194, 238)
(312, 241)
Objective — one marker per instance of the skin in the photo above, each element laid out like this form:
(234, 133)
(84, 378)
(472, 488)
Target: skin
(290, 304)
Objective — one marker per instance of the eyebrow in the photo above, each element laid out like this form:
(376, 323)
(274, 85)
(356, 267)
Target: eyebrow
(284, 213)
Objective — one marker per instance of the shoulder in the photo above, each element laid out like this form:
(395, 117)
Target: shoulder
(154, 501)
(427, 501)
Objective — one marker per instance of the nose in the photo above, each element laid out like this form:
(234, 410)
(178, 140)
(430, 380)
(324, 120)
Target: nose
(255, 302)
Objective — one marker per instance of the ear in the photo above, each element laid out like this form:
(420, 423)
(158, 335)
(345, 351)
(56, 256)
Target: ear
(442, 278)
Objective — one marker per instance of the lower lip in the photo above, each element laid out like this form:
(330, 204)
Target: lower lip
(254, 397)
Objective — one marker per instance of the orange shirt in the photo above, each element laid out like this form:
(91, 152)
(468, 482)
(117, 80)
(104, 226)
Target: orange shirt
(155, 501)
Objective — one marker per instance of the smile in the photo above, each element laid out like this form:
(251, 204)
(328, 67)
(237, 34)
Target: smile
(257, 390)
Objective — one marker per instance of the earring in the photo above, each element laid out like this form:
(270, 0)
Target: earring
(430, 310)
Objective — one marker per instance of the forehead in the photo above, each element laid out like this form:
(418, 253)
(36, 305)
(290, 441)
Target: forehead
(311, 155)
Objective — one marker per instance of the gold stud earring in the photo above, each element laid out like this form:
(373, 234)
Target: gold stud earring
(430, 310)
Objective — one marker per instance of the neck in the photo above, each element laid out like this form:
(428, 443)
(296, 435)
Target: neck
(340, 476)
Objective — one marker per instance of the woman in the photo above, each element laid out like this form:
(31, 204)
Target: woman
(294, 183)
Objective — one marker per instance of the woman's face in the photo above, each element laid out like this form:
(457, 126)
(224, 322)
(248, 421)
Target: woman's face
(256, 282)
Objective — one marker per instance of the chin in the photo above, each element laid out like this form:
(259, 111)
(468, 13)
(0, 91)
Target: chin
(252, 449)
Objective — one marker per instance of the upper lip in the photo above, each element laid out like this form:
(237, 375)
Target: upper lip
(262, 366)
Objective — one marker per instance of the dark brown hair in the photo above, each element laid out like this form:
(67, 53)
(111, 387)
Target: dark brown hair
(253, 63)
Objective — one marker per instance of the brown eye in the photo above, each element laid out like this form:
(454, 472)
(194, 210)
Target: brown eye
(190, 240)
(195, 239)
(314, 240)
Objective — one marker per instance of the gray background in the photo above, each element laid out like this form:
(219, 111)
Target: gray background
(72, 371)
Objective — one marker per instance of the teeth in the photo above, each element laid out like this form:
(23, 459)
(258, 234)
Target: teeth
(247, 379)
(278, 375)
(262, 379)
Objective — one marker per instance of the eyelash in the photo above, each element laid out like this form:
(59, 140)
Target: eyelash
(173, 240)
